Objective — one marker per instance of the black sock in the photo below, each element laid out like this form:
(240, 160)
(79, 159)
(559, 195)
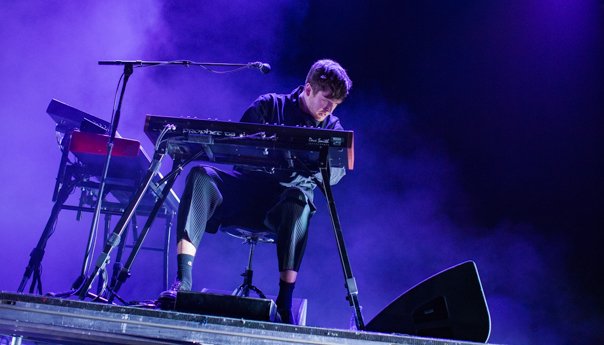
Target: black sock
(185, 270)
(284, 301)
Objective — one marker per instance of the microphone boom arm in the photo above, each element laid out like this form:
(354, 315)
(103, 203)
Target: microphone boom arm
(262, 67)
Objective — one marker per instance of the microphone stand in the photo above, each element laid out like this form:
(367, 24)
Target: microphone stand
(83, 283)
(77, 286)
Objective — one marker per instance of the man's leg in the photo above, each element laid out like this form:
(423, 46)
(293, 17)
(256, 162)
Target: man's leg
(288, 276)
(199, 201)
(289, 219)
(185, 255)
(185, 247)
(287, 283)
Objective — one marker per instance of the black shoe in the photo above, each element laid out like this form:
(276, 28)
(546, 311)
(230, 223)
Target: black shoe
(285, 316)
(167, 299)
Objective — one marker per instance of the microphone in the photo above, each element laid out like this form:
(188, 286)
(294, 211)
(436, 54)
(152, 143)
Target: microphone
(263, 67)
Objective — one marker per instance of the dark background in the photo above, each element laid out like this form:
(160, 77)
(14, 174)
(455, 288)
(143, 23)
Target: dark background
(478, 136)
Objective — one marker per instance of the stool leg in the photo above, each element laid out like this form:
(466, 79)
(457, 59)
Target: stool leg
(257, 291)
(244, 289)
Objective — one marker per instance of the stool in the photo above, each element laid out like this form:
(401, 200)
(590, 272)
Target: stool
(251, 237)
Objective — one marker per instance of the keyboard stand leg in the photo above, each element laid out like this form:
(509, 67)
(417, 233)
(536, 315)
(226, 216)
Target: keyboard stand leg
(350, 282)
(169, 219)
(125, 271)
(37, 254)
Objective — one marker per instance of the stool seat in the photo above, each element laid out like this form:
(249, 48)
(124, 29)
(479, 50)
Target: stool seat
(251, 237)
(258, 236)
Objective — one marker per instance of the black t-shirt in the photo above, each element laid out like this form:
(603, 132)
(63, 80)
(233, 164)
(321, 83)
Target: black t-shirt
(284, 109)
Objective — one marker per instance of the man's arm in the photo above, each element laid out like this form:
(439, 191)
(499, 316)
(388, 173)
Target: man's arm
(336, 173)
(335, 176)
(257, 112)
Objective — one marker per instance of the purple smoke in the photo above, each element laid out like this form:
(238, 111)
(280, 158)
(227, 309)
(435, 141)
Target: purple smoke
(407, 209)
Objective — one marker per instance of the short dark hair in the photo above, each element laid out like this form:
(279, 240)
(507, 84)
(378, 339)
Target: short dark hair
(328, 75)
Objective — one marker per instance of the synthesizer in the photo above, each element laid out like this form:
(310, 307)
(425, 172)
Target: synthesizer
(269, 146)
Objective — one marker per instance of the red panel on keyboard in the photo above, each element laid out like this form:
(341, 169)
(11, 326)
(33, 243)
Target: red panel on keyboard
(96, 144)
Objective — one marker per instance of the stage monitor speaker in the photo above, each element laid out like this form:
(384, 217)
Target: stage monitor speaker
(226, 305)
(299, 305)
(448, 305)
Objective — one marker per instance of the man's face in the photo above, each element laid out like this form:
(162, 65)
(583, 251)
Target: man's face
(319, 104)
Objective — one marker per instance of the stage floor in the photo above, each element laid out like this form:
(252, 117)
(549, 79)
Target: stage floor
(47, 320)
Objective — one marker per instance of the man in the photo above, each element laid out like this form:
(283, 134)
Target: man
(278, 201)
